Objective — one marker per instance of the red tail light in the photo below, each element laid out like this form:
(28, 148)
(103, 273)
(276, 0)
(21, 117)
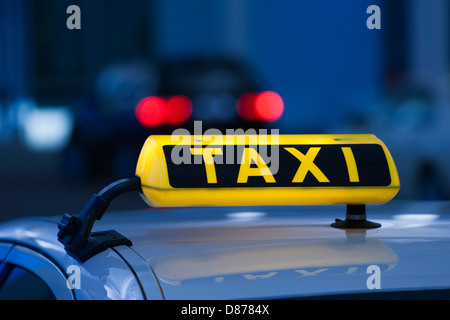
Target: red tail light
(151, 111)
(269, 106)
(155, 111)
(179, 110)
(266, 106)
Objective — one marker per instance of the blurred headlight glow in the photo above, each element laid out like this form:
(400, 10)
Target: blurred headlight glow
(47, 129)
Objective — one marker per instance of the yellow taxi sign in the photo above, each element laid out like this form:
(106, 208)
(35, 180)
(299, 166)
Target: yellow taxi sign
(238, 170)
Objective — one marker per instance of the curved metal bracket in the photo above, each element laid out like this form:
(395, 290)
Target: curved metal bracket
(75, 232)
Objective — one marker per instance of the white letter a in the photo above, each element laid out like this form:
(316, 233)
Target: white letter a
(374, 281)
(74, 280)
(374, 21)
(74, 21)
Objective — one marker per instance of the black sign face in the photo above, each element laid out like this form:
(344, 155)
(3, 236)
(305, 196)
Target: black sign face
(351, 165)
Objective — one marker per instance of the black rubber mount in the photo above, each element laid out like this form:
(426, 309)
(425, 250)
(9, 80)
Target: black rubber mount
(355, 219)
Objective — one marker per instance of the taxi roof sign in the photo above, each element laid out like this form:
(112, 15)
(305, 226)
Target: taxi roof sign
(240, 170)
(266, 170)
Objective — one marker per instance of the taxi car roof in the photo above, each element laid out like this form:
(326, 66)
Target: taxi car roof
(272, 252)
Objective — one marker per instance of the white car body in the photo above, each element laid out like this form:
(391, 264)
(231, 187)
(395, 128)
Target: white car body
(245, 253)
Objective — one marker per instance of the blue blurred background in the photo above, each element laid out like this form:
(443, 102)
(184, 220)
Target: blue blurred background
(68, 97)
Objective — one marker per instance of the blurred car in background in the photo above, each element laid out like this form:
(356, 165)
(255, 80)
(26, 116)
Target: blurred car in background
(132, 101)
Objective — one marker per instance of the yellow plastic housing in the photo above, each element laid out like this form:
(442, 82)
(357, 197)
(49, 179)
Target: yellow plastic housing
(153, 170)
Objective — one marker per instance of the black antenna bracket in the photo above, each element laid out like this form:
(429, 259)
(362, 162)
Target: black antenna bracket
(75, 232)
